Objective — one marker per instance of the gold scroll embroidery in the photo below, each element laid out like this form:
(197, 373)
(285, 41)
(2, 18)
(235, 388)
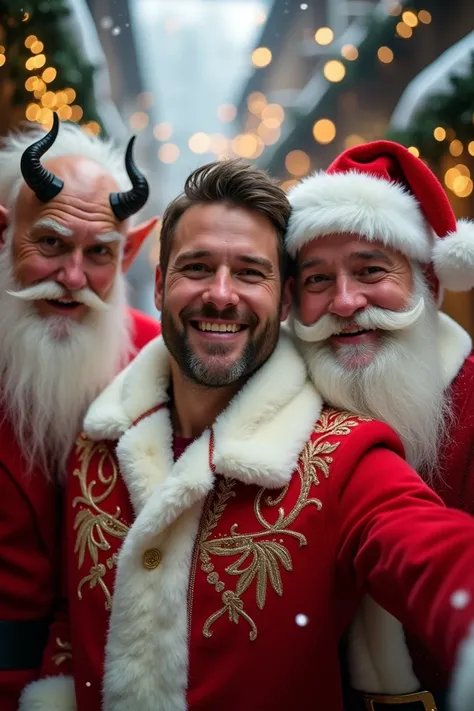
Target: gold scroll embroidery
(262, 560)
(92, 523)
(64, 654)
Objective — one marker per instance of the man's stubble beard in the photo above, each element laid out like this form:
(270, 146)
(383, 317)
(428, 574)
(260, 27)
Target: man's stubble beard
(51, 369)
(403, 385)
(256, 352)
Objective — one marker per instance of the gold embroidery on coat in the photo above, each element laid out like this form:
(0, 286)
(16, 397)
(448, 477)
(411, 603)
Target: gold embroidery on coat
(64, 654)
(92, 523)
(262, 560)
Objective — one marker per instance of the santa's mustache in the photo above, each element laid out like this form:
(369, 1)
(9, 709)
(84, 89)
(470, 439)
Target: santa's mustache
(371, 318)
(52, 290)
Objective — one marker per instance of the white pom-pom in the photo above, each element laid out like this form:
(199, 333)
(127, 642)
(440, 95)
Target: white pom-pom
(453, 258)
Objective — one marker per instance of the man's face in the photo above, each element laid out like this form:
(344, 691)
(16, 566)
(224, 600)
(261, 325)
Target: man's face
(342, 276)
(221, 300)
(68, 249)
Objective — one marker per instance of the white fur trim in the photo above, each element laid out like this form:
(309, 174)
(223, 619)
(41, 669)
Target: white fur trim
(375, 209)
(53, 693)
(146, 665)
(138, 388)
(454, 344)
(462, 688)
(257, 439)
(379, 660)
(453, 258)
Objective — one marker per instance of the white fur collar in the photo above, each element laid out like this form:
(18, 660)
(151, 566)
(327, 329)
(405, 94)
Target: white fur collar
(455, 344)
(257, 438)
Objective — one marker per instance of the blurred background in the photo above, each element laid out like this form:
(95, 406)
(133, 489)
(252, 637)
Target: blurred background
(283, 83)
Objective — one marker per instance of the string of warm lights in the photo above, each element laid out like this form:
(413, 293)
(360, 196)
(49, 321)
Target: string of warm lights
(48, 100)
(264, 120)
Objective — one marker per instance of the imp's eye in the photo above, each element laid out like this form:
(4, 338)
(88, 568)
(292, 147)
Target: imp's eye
(99, 250)
(49, 241)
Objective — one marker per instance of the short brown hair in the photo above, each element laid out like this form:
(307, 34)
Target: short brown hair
(238, 184)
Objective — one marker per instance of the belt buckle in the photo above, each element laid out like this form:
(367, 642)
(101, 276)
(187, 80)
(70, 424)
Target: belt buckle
(422, 697)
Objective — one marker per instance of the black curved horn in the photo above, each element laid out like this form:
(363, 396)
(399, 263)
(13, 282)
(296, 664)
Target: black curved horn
(44, 184)
(125, 204)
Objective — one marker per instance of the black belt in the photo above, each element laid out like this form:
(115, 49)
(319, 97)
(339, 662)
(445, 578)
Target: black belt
(22, 643)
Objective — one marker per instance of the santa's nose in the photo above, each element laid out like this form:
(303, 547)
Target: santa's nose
(347, 299)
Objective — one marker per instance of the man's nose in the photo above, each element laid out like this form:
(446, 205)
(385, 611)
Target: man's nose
(71, 273)
(221, 291)
(348, 297)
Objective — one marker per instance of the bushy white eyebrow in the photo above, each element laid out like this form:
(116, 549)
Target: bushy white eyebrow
(49, 224)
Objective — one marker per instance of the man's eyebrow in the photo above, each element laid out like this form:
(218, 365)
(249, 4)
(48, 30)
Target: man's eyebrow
(47, 223)
(260, 261)
(192, 254)
(373, 254)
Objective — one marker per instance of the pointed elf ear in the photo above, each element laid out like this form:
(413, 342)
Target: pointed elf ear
(135, 238)
(3, 224)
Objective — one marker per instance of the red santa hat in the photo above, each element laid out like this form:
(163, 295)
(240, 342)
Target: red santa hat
(382, 192)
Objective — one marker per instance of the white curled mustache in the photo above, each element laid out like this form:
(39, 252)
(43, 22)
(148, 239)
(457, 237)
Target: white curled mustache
(371, 318)
(53, 290)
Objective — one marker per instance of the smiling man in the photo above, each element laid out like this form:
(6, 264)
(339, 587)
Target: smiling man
(66, 331)
(376, 242)
(221, 523)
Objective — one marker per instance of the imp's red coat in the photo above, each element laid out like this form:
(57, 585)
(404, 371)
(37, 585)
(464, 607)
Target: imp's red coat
(29, 545)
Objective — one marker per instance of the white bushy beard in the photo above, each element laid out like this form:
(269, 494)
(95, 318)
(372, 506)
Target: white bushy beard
(51, 369)
(403, 383)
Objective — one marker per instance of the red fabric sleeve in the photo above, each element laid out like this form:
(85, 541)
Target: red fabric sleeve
(57, 656)
(408, 551)
(144, 328)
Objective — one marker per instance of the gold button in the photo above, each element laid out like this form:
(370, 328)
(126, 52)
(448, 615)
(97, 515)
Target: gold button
(151, 558)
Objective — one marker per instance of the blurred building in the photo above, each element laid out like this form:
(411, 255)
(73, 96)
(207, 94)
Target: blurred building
(330, 75)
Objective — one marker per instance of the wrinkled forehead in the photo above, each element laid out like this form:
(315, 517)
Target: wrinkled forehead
(83, 203)
(342, 247)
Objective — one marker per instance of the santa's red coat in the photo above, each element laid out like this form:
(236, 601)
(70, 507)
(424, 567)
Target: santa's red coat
(224, 580)
(454, 482)
(382, 658)
(29, 548)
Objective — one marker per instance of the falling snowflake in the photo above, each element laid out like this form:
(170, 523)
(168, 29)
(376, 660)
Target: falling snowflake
(106, 22)
(116, 31)
(301, 620)
(460, 599)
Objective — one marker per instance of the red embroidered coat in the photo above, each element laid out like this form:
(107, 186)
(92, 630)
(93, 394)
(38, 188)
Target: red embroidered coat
(29, 542)
(382, 658)
(225, 579)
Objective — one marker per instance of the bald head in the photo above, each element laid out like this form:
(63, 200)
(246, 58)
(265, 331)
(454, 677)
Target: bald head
(85, 195)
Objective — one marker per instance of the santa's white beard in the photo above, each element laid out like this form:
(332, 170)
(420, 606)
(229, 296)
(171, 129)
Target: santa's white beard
(51, 369)
(402, 384)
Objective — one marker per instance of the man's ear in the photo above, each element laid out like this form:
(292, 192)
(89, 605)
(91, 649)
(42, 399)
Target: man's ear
(159, 286)
(287, 298)
(134, 240)
(3, 224)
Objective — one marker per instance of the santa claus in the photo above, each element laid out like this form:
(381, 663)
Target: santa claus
(65, 242)
(376, 242)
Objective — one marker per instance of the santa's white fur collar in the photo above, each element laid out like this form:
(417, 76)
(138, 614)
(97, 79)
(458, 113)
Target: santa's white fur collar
(455, 345)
